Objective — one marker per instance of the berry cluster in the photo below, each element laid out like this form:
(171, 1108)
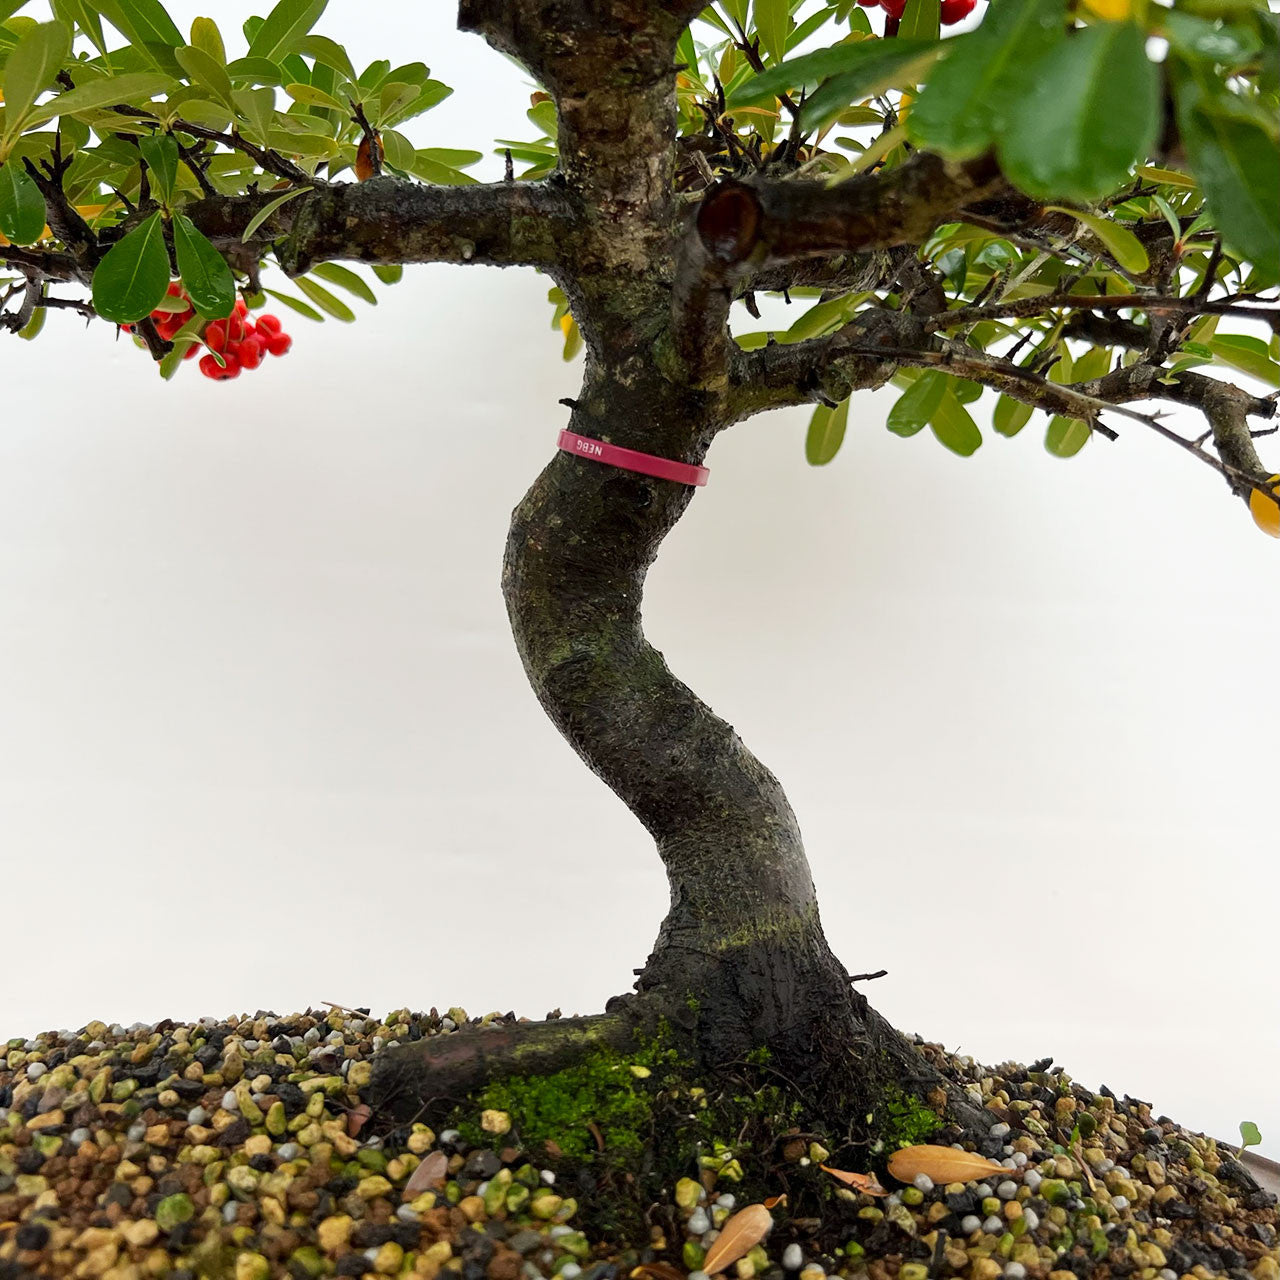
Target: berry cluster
(952, 10)
(242, 343)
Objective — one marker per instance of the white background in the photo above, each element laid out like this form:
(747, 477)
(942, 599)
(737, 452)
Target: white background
(265, 740)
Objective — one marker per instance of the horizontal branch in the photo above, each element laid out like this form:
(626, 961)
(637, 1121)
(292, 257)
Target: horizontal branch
(388, 220)
(1159, 303)
(775, 221)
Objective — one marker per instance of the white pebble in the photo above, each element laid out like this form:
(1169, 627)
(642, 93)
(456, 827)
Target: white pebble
(407, 1213)
(197, 1115)
(548, 1177)
(1015, 1271)
(698, 1275)
(792, 1257)
(449, 1135)
(1120, 1202)
(1106, 1166)
(288, 1151)
(993, 1225)
(1032, 1179)
(970, 1223)
(999, 1130)
(1019, 1159)
(229, 1210)
(1168, 1273)
(1031, 1218)
(77, 1136)
(699, 1222)
(1007, 1190)
(726, 1200)
(136, 1132)
(570, 1271)
(312, 1036)
(922, 1182)
(36, 1070)
(560, 1229)
(229, 1101)
(984, 1189)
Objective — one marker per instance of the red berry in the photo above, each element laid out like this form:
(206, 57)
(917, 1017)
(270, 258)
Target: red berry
(175, 289)
(233, 368)
(192, 351)
(894, 8)
(242, 307)
(251, 351)
(869, 4)
(210, 367)
(279, 343)
(215, 335)
(955, 10)
(269, 324)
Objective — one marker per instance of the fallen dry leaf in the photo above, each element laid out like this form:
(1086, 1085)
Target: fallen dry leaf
(942, 1164)
(739, 1235)
(656, 1271)
(428, 1176)
(356, 1118)
(859, 1181)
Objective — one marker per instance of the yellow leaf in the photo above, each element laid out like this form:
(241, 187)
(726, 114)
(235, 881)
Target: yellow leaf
(1112, 10)
(739, 1235)
(942, 1164)
(566, 324)
(1265, 510)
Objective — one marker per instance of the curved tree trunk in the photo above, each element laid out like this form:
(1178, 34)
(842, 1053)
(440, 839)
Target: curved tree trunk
(741, 959)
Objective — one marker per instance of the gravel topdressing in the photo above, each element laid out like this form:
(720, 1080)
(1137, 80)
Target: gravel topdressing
(244, 1149)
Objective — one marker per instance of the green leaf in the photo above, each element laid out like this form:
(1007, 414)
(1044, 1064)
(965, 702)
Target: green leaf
(954, 426)
(33, 326)
(295, 304)
(325, 300)
(258, 108)
(1247, 354)
(1066, 436)
(1250, 1135)
(1119, 241)
(863, 61)
(973, 93)
(134, 275)
(773, 21)
(1010, 416)
(346, 279)
(311, 96)
(398, 150)
(1195, 37)
(255, 71)
(330, 53)
(826, 433)
(141, 22)
(81, 14)
(917, 404)
(1093, 113)
(389, 274)
(160, 151)
(1166, 177)
(22, 213)
(1237, 164)
(267, 210)
(206, 37)
(922, 19)
(34, 62)
(133, 87)
(204, 69)
(284, 28)
(205, 274)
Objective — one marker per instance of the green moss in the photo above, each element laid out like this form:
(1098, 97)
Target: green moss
(903, 1120)
(601, 1091)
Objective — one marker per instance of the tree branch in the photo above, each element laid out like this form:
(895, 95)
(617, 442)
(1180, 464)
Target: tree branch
(389, 220)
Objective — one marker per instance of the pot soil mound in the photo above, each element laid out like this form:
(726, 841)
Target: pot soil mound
(246, 1149)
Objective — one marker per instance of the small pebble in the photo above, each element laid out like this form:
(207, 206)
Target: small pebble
(1032, 1178)
(726, 1200)
(1015, 1271)
(197, 1115)
(993, 1225)
(792, 1257)
(922, 1182)
(36, 1070)
(699, 1223)
(999, 1130)
(1120, 1202)
(1007, 1190)
(970, 1223)
(229, 1101)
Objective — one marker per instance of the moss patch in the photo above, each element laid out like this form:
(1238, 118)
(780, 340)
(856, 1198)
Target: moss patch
(903, 1120)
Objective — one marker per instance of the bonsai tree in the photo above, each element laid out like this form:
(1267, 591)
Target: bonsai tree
(1051, 206)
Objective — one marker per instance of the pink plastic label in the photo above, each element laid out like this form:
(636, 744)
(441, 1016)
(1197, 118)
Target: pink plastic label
(646, 464)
